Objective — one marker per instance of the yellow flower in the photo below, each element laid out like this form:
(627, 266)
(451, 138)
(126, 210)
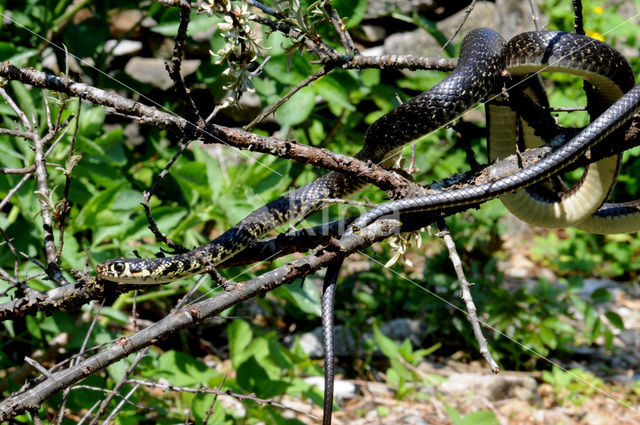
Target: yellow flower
(598, 10)
(594, 34)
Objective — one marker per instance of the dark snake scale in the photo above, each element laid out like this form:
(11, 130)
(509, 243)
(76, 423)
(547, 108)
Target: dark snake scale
(484, 56)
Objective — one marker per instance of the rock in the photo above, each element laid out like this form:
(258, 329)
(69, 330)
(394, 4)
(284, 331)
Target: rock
(311, 342)
(342, 390)
(518, 411)
(372, 33)
(123, 47)
(514, 17)
(508, 17)
(379, 8)
(591, 285)
(545, 417)
(420, 43)
(122, 22)
(491, 387)
(153, 72)
(248, 108)
(401, 329)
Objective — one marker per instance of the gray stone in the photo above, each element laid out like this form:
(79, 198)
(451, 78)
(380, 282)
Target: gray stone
(379, 8)
(123, 47)
(342, 390)
(153, 72)
(311, 342)
(491, 387)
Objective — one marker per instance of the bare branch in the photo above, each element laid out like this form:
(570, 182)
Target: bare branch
(228, 393)
(467, 12)
(177, 248)
(271, 109)
(466, 295)
(211, 133)
(46, 208)
(338, 25)
(176, 61)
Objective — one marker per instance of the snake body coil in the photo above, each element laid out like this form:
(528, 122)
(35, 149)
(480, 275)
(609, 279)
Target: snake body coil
(475, 77)
(483, 58)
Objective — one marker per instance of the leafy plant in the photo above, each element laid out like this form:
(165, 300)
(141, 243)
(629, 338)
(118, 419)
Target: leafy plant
(403, 361)
(575, 385)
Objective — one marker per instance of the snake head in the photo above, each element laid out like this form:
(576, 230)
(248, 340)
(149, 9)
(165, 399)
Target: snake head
(145, 271)
(126, 270)
(114, 270)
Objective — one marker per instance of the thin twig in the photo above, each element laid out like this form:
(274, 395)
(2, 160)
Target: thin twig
(466, 295)
(120, 405)
(23, 117)
(17, 171)
(535, 12)
(211, 133)
(176, 62)
(46, 208)
(37, 366)
(229, 393)
(16, 261)
(345, 38)
(177, 248)
(409, 62)
(578, 23)
(271, 109)
(67, 390)
(467, 12)
(114, 392)
(65, 205)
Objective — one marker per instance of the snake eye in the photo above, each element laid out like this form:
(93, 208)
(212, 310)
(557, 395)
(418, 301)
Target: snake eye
(119, 266)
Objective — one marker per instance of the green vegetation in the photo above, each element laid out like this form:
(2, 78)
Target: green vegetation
(204, 194)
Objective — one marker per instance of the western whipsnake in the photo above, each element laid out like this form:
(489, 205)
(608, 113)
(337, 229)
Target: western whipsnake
(479, 74)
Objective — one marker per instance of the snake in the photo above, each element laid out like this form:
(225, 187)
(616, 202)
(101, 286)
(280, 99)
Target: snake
(484, 57)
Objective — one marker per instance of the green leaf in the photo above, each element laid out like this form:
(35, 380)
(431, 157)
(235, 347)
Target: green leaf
(167, 218)
(88, 216)
(239, 333)
(481, 417)
(252, 377)
(601, 295)
(305, 297)
(288, 74)
(278, 354)
(615, 319)
(17, 55)
(197, 23)
(201, 405)
(33, 326)
(298, 108)
(547, 337)
(117, 370)
(86, 38)
(183, 370)
(114, 315)
(388, 346)
(335, 94)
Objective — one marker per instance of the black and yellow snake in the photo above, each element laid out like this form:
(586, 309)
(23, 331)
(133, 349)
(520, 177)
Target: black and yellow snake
(485, 59)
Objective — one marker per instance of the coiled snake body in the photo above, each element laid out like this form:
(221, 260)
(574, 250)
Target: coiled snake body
(483, 57)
